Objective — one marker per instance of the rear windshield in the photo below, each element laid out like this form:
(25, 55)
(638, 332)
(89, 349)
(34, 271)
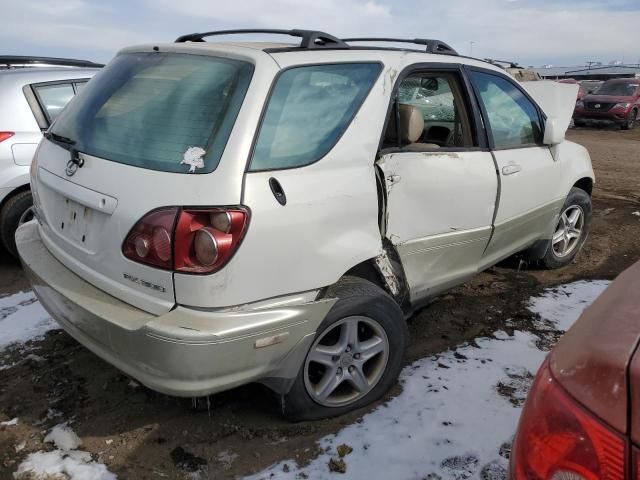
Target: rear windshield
(161, 111)
(618, 89)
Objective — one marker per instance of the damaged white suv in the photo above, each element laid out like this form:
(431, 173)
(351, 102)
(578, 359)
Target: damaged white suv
(212, 214)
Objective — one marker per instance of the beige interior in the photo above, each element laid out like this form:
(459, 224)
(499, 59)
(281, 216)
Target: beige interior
(411, 128)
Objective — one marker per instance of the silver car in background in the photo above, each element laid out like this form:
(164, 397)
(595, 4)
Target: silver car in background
(33, 92)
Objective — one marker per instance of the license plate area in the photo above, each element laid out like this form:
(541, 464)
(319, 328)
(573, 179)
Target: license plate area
(75, 222)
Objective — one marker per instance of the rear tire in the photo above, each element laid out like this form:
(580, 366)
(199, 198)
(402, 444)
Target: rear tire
(353, 375)
(571, 232)
(17, 210)
(631, 121)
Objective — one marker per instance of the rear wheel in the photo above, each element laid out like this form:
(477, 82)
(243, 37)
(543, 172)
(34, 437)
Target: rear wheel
(355, 357)
(631, 121)
(571, 231)
(16, 211)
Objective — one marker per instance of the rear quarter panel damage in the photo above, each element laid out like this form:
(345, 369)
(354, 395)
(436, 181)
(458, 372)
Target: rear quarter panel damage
(328, 225)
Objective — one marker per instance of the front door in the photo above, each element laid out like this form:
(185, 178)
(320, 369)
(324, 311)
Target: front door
(441, 185)
(529, 176)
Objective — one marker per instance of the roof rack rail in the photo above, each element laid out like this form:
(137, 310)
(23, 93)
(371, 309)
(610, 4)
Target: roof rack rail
(311, 39)
(503, 62)
(9, 61)
(432, 46)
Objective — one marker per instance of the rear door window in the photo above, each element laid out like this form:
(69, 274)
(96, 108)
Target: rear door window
(309, 110)
(160, 111)
(53, 98)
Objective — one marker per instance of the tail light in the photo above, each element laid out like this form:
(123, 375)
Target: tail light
(6, 135)
(559, 440)
(198, 240)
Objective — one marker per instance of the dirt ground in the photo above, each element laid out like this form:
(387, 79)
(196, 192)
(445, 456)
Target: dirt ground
(140, 434)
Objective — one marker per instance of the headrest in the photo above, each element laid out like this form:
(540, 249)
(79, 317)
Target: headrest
(411, 125)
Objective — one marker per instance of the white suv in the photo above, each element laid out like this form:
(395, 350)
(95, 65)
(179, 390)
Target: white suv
(33, 92)
(211, 214)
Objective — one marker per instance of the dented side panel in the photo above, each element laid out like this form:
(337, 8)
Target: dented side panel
(440, 207)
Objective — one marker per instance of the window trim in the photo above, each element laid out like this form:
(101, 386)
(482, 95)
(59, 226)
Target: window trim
(485, 117)
(265, 106)
(35, 86)
(479, 134)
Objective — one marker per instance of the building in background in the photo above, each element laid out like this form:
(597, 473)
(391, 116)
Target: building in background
(592, 72)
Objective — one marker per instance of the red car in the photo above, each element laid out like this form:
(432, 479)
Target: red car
(617, 101)
(582, 417)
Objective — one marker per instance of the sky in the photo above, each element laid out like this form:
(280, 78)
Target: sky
(531, 32)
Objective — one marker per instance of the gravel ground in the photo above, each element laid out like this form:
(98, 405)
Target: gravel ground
(140, 434)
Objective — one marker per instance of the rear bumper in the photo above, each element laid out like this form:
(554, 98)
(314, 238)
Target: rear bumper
(184, 352)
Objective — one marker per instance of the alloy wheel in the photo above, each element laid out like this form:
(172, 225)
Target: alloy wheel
(346, 362)
(568, 232)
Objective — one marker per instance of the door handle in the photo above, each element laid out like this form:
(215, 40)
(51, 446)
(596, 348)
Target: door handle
(511, 169)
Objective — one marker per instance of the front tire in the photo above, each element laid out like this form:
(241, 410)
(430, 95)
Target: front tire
(17, 210)
(631, 121)
(356, 356)
(571, 231)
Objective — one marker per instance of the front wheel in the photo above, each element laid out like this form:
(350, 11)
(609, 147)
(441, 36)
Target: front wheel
(631, 121)
(571, 231)
(355, 357)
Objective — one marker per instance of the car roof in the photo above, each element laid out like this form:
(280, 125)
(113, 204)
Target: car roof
(44, 74)
(288, 54)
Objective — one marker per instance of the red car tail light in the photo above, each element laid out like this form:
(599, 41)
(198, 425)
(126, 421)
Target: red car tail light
(142, 245)
(206, 239)
(558, 439)
(193, 240)
(6, 135)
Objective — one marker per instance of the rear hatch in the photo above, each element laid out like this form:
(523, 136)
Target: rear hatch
(124, 147)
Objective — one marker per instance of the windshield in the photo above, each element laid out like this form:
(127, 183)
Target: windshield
(618, 89)
(161, 111)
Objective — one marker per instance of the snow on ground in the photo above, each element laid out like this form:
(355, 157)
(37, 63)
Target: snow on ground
(63, 437)
(22, 318)
(458, 411)
(64, 462)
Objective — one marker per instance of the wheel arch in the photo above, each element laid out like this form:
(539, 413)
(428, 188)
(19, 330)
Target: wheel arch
(385, 271)
(14, 192)
(586, 184)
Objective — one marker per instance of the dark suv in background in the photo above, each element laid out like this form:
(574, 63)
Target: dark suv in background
(617, 101)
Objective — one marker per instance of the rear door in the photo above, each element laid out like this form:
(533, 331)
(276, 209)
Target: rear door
(441, 187)
(529, 175)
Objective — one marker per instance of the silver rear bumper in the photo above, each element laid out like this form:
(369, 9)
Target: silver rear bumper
(184, 352)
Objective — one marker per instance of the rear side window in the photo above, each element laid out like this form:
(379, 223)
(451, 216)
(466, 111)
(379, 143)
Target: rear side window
(53, 98)
(161, 111)
(309, 109)
(513, 118)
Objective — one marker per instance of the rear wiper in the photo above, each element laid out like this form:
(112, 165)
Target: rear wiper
(59, 138)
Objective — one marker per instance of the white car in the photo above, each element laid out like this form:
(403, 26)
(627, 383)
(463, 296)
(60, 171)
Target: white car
(30, 99)
(212, 214)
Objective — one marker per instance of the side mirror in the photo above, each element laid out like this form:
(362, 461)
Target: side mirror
(553, 132)
(429, 83)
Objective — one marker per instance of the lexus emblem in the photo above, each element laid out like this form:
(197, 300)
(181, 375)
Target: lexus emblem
(74, 163)
(597, 105)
